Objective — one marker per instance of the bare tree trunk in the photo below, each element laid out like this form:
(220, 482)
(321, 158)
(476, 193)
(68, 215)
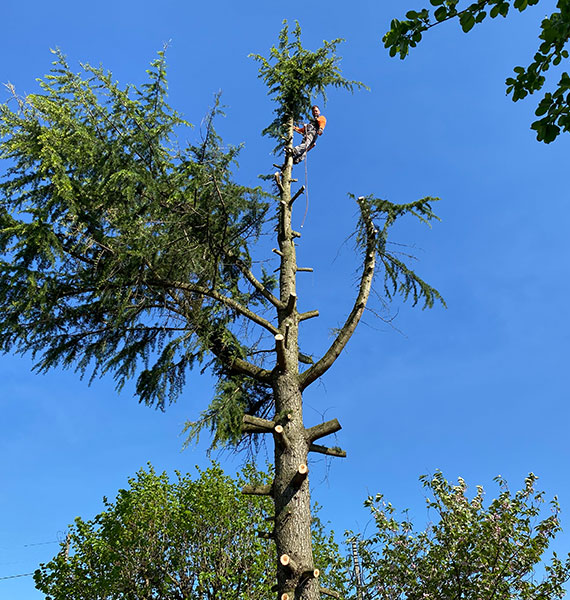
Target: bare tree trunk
(296, 574)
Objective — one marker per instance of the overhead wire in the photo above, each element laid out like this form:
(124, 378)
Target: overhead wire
(15, 576)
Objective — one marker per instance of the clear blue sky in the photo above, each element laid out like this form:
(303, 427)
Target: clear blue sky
(476, 390)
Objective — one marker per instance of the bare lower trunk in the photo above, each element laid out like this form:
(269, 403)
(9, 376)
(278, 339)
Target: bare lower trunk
(296, 571)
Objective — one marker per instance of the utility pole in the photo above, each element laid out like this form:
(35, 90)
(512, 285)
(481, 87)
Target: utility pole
(357, 571)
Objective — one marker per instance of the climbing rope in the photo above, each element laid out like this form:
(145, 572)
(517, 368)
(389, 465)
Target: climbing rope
(306, 191)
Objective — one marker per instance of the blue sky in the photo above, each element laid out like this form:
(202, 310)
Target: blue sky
(477, 389)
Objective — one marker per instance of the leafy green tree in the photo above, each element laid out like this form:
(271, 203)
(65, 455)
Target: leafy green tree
(124, 253)
(554, 107)
(470, 551)
(191, 538)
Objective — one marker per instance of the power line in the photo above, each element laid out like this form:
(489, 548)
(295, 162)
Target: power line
(40, 543)
(14, 576)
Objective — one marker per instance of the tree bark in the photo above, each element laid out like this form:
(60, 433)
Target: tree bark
(291, 485)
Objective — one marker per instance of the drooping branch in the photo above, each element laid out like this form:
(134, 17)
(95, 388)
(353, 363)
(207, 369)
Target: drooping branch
(345, 333)
(234, 364)
(215, 295)
(322, 430)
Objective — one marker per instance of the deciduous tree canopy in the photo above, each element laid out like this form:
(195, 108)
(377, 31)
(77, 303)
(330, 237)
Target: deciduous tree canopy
(191, 538)
(470, 550)
(554, 108)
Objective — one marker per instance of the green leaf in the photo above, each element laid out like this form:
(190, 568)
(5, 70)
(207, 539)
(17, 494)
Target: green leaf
(441, 13)
(467, 21)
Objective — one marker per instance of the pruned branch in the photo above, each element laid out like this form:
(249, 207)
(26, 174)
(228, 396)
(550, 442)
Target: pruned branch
(305, 359)
(322, 430)
(288, 562)
(291, 303)
(280, 350)
(309, 574)
(297, 194)
(258, 490)
(251, 424)
(308, 315)
(281, 437)
(300, 475)
(338, 452)
(331, 593)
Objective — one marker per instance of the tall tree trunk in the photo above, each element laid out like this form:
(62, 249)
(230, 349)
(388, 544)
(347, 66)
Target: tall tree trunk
(296, 571)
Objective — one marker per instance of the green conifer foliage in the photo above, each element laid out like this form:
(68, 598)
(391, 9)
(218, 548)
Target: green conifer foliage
(123, 254)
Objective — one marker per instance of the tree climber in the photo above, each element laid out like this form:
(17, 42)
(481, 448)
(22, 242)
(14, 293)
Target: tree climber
(310, 132)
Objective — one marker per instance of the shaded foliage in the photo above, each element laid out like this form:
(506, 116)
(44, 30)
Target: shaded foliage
(554, 108)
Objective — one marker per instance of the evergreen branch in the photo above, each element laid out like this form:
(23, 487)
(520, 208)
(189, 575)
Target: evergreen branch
(346, 331)
(247, 273)
(226, 301)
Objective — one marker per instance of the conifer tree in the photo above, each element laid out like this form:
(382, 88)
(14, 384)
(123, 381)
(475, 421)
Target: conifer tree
(124, 254)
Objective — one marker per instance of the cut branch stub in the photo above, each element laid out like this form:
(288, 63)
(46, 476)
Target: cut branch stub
(331, 593)
(287, 595)
(277, 176)
(300, 475)
(323, 429)
(308, 315)
(251, 424)
(291, 303)
(305, 269)
(288, 562)
(266, 535)
(280, 350)
(297, 194)
(309, 574)
(281, 436)
(328, 451)
(277, 251)
(258, 490)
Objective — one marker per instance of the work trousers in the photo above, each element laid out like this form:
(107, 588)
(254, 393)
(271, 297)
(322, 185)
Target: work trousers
(309, 140)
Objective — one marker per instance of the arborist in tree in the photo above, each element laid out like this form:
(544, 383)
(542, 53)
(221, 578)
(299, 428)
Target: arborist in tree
(310, 132)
